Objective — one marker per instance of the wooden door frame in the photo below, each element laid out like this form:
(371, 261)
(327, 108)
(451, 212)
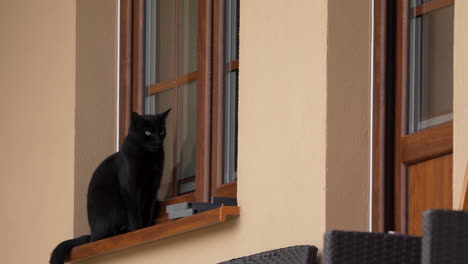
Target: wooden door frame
(419, 146)
(393, 149)
(401, 81)
(383, 116)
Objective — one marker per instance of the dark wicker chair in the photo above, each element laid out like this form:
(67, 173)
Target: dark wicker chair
(371, 248)
(445, 237)
(289, 255)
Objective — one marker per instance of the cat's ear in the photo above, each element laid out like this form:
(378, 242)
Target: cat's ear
(135, 118)
(164, 114)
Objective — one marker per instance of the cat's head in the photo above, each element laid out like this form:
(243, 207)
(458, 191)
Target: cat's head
(149, 131)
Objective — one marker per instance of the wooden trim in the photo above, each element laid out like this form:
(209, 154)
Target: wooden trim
(125, 82)
(431, 6)
(166, 85)
(175, 103)
(217, 143)
(180, 199)
(378, 140)
(186, 180)
(227, 190)
(203, 147)
(138, 49)
(233, 65)
(427, 144)
(464, 192)
(401, 74)
(156, 232)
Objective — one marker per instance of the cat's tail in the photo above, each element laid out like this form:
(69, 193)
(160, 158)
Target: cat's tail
(61, 252)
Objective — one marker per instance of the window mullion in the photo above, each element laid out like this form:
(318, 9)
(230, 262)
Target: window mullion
(175, 101)
(204, 55)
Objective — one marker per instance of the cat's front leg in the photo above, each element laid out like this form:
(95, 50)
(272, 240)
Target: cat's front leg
(131, 196)
(133, 210)
(133, 219)
(154, 211)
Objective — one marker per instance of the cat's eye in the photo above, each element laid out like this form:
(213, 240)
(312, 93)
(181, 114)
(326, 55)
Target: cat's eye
(148, 133)
(162, 133)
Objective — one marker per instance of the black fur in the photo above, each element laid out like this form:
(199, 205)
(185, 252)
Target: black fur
(122, 192)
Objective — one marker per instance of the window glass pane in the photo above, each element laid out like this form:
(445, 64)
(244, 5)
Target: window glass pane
(186, 112)
(230, 126)
(231, 87)
(232, 30)
(188, 14)
(160, 38)
(430, 92)
(170, 52)
(186, 142)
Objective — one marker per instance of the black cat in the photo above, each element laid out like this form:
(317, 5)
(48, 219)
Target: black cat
(122, 192)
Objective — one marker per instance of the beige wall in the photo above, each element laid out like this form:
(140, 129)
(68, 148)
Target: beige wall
(37, 102)
(348, 114)
(96, 95)
(287, 176)
(460, 143)
(284, 68)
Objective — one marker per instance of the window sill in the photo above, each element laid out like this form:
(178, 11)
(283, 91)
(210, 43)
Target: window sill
(153, 233)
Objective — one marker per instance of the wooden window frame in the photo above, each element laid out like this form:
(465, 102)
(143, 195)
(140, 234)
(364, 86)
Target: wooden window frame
(217, 163)
(210, 94)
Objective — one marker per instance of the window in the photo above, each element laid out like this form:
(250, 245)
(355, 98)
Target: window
(184, 55)
(430, 91)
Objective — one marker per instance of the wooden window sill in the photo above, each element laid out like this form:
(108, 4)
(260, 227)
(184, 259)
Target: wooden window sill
(156, 232)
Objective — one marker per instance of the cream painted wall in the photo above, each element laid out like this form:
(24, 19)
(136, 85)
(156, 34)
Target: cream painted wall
(348, 114)
(285, 190)
(37, 106)
(96, 95)
(283, 62)
(460, 138)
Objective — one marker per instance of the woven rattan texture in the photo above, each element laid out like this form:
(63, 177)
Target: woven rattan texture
(371, 248)
(445, 237)
(289, 255)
